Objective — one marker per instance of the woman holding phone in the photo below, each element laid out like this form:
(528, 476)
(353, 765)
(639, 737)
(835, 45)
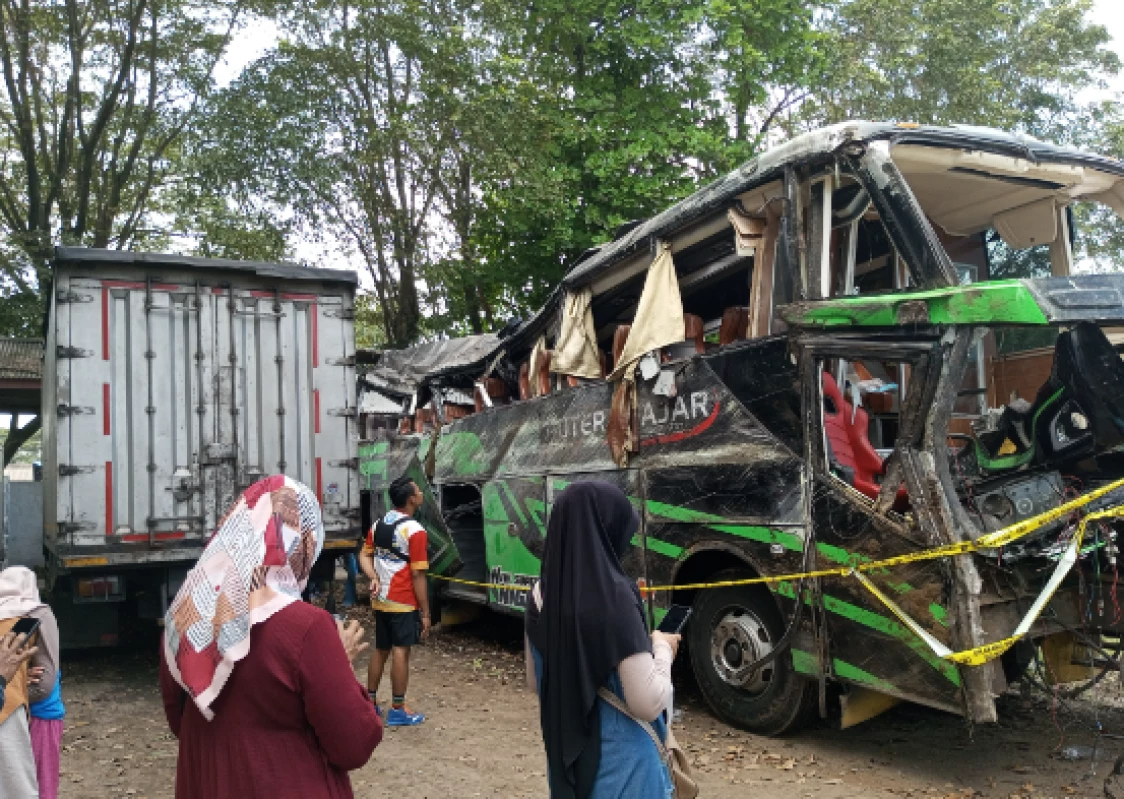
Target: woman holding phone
(585, 633)
(29, 745)
(257, 685)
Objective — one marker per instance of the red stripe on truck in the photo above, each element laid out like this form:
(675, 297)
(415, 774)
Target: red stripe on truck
(109, 497)
(105, 408)
(316, 407)
(314, 310)
(105, 323)
(138, 537)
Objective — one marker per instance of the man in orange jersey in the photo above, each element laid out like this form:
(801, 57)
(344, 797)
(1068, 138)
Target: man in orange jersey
(395, 559)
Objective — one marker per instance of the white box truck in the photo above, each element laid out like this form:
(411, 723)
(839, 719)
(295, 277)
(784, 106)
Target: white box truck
(170, 384)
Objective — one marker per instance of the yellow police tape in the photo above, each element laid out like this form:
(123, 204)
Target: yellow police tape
(969, 657)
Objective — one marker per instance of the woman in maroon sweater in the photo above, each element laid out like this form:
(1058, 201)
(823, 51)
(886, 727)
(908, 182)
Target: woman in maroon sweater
(258, 686)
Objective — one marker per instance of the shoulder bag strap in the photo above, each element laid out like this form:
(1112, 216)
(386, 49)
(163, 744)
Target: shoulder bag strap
(384, 534)
(616, 702)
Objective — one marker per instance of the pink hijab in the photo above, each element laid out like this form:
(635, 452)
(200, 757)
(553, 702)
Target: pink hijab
(19, 592)
(256, 563)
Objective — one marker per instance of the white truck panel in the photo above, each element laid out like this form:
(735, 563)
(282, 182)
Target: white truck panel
(177, 382)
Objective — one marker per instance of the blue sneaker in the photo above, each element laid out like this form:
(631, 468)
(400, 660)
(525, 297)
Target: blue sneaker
(402, 717)
(378, 710)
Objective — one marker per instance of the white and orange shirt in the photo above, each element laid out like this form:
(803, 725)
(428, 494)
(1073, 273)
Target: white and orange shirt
(394, 564)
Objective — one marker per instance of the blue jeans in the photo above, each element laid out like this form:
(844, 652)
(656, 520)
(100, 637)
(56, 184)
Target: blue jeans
(351, 565)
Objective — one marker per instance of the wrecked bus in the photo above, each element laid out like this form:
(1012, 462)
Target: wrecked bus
(816, 361)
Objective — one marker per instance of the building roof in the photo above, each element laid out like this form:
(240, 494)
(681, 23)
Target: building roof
(21, 359)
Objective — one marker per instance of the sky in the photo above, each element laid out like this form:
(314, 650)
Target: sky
(1110, 13)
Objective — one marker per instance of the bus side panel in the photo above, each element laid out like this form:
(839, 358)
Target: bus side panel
(514, 536)
(750, 511)
(516, 512)
(869, 646)
(383, 462)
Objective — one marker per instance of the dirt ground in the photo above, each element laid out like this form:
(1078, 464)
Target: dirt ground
(482, 738)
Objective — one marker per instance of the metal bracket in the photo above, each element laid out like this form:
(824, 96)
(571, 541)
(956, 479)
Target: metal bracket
(67, 470)
(348, 361)
(72, 352)
(351, 413)
(74, 410)
(72, 296)
(74, 527)
(350, 463)
(342, 313)
(217, 453)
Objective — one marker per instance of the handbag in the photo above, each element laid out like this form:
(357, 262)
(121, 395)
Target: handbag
(682, 782)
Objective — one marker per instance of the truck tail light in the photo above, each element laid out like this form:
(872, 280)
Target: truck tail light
(106, 588)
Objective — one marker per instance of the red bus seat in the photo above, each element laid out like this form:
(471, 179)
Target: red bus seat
(850, 443)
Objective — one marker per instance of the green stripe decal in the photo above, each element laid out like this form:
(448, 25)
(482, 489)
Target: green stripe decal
(939, 613)
(853, 673)
(806, 663)
(882, 624)
(661, 547)
(678, 514)
(764, 535)
(514, 503)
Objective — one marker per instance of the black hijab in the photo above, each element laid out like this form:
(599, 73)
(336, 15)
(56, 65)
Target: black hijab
(592, 618)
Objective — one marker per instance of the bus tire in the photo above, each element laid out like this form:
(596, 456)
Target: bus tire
(733, 626)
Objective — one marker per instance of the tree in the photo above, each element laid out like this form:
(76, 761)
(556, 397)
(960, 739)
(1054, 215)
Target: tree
(469, 152)
(641, 103)
(95, 96)
(1010, 64)
(340, 125)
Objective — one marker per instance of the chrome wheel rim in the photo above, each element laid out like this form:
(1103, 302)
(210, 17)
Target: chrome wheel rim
(739, 640)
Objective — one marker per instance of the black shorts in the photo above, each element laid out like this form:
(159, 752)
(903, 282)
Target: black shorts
(397, 629)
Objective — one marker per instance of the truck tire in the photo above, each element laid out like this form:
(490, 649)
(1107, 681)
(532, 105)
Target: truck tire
(736, 626)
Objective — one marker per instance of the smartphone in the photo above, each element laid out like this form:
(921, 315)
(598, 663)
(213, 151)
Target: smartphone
(675, 620)
(26, 626)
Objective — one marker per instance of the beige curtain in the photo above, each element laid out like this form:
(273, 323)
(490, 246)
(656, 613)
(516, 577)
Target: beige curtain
(659, 316)
(533, 373)
(576, 352)
(658, 324)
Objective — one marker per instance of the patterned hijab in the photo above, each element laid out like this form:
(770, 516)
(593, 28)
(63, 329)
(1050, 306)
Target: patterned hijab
(19, 592)
(256, 563)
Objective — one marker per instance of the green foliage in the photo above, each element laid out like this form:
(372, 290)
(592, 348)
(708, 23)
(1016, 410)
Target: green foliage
(97, 101)
(30, 452)
(638, 105)
(467, 153)
(368, 323)
(1010, 64)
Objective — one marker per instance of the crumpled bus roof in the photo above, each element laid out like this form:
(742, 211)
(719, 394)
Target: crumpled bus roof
(404, 370)
(770, 165)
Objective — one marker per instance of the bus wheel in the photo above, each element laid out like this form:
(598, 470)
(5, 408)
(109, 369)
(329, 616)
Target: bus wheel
(731, 628)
